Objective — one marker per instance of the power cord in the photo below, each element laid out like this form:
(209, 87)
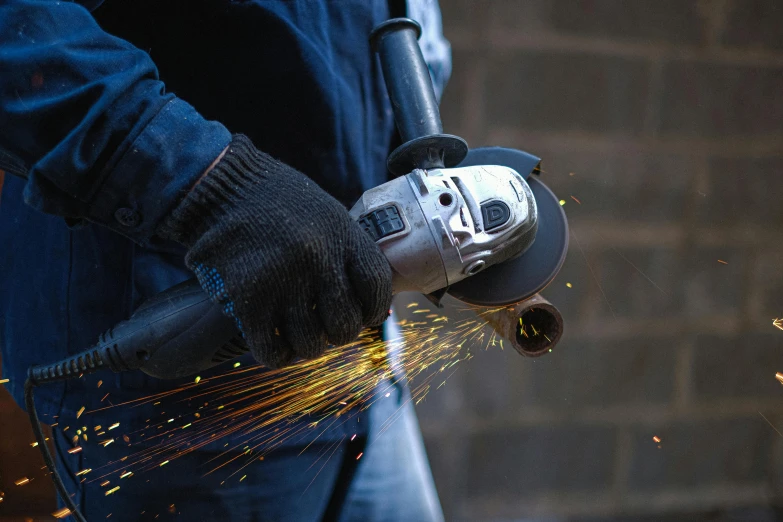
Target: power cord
(85, 362)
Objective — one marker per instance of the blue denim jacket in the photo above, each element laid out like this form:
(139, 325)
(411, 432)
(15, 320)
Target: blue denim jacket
(112, 116)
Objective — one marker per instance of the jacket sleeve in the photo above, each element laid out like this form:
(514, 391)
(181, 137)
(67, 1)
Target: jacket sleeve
(89, 117)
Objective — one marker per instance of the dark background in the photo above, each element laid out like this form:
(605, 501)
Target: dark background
(664, 118)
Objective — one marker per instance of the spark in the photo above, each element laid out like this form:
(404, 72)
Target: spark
(22, 481)
(79, 413)
(258, 409)
(126, 474)
(569, 285)
(243, 478)
(359, 455)
(112, 490)
(105, 483)
(76, 449)
(61, 513)
(100, 383)
(198, 378)
(721, 261)
(236, 364)
(574, 198)
(606, 299)
(634, 266)
(3, 381)
(33, 444)
(562, 202)
(115, 425)
(778, 323)
(82, 472)
(656, 438)
(771, 425)
(779, 377)
(106, 442)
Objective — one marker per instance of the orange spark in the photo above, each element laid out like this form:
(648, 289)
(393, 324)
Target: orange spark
(262, 404)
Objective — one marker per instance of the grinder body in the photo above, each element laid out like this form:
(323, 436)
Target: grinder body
(437, 227)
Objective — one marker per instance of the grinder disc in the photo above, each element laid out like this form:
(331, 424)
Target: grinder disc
(517, 279)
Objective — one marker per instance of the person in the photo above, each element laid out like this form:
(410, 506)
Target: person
(157, 138)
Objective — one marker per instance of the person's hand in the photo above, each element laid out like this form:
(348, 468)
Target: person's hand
(282, 256)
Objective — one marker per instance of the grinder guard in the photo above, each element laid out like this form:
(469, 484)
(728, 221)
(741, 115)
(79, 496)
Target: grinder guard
(523, 276)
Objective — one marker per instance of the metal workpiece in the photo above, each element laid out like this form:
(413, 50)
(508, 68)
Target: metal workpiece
(437, 227)
(533, 327)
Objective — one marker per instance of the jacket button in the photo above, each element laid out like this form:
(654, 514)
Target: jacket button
(127, 217)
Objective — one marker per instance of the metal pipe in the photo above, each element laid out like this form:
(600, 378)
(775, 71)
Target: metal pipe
(533, 326)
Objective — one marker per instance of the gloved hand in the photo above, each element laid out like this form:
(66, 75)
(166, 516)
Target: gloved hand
(282, 256)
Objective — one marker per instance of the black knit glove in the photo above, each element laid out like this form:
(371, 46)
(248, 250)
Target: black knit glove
(282, 256)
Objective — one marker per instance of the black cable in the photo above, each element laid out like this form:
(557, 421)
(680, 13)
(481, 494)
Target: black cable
(344, 480)
(29, 385)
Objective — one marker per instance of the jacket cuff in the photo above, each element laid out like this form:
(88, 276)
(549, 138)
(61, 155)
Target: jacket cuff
(157, 171)
(231, 180)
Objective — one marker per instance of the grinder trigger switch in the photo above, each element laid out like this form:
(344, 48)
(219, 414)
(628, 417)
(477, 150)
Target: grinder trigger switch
(382, 222)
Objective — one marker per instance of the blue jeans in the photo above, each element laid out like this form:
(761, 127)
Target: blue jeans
(390, 482)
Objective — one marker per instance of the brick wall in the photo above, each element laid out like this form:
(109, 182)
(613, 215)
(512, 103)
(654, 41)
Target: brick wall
(665, 119)
(669, 114)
